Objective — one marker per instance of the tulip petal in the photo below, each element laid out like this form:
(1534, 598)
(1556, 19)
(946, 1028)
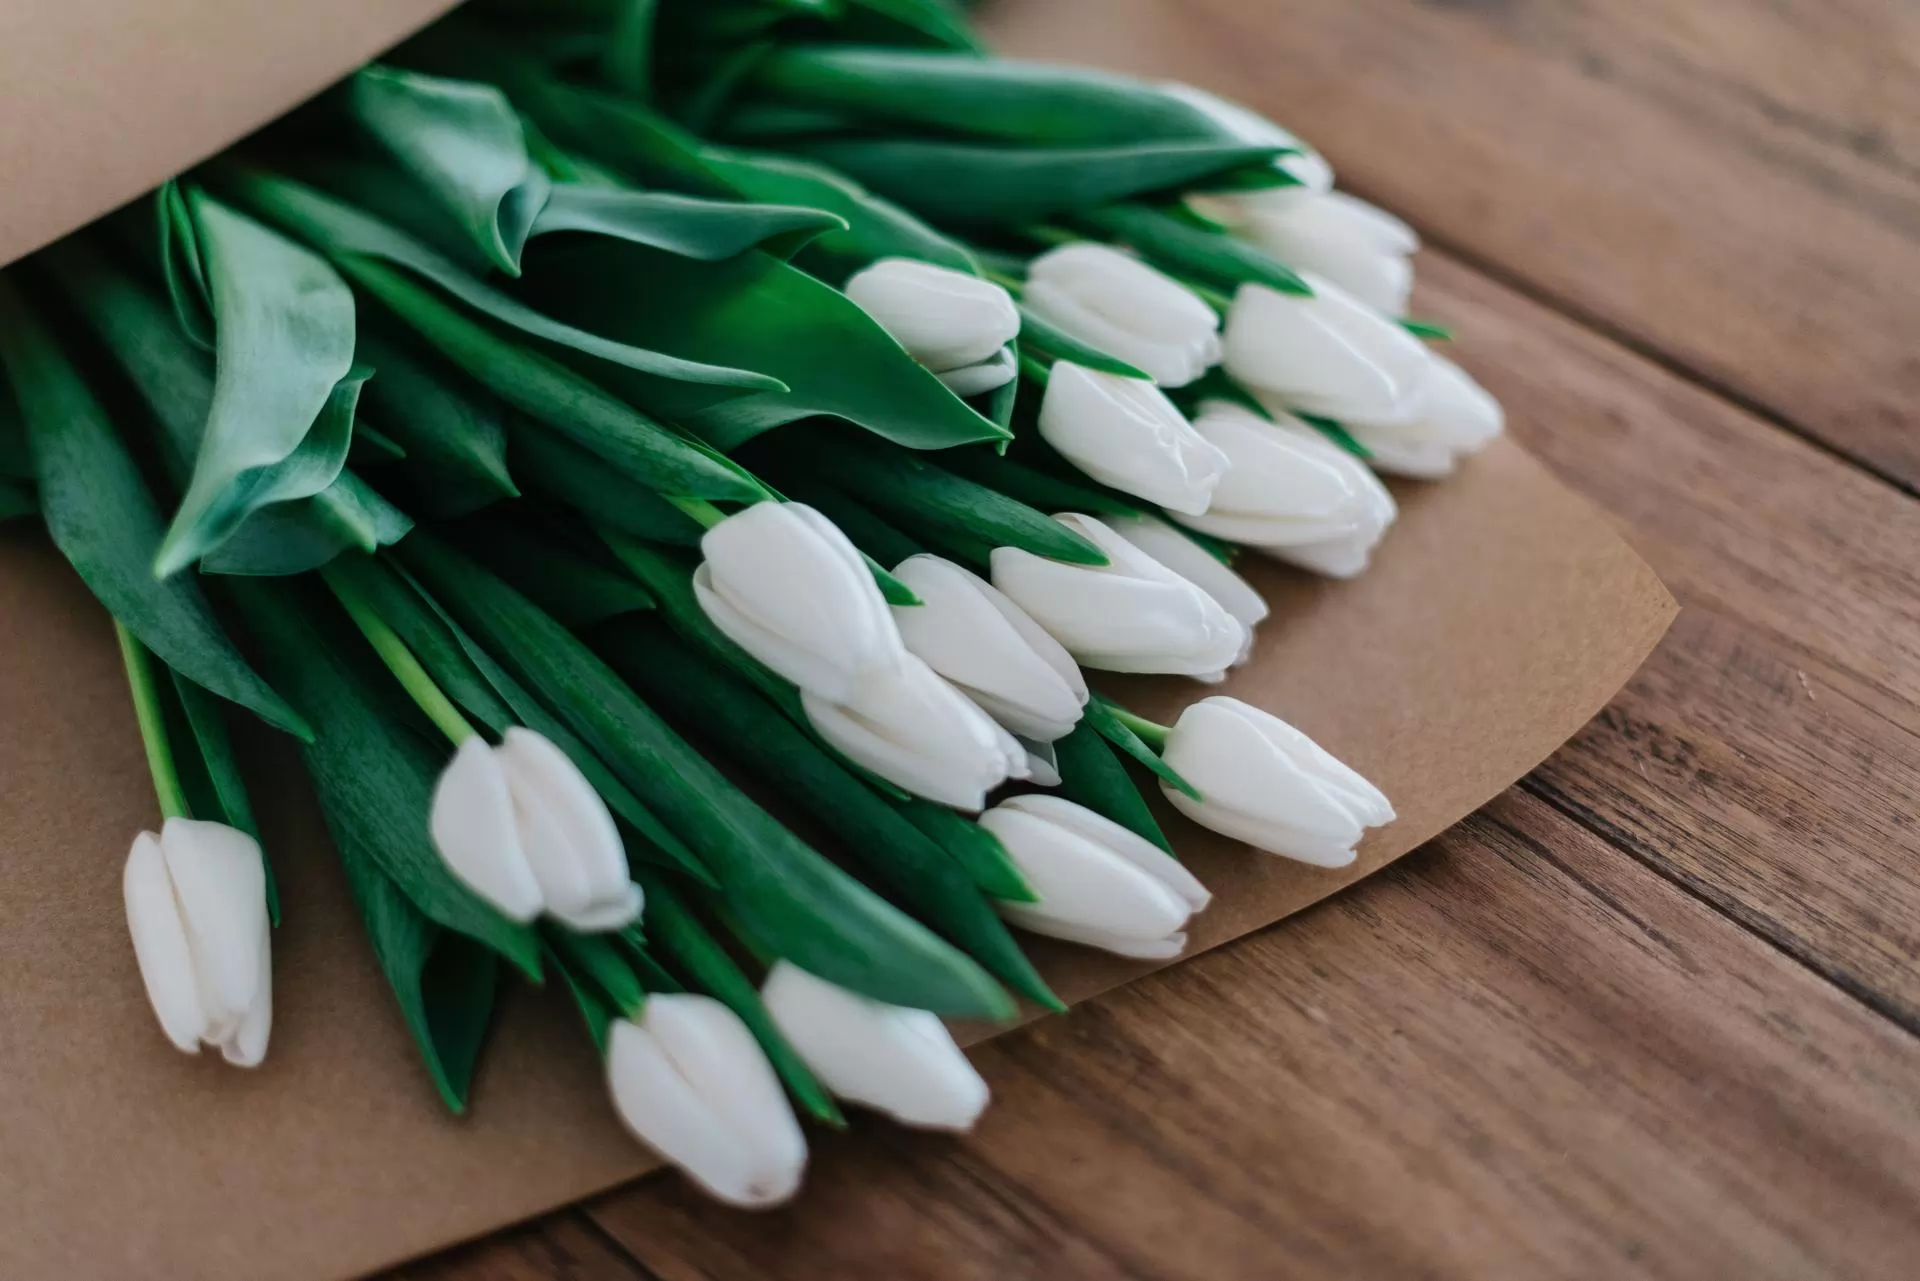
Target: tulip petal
(1112, 301)
(1078, 881)
(1194, 563)
(915, 730)
(1131, 615)
(969, 381)
(900, 1061)
(580, 860)
(660, 1107)
(946, 319)
(248, 1045)
(784, 583)
(1329, 354)
(711, 1047)
(1125, 843)
(971, 634)
(160, 944)
(220, 885)
(1125, 433)
(474, 828)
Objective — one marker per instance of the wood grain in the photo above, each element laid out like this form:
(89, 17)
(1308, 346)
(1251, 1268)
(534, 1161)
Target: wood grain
(1516, 1054)
(1732, 184)
(1768, 755)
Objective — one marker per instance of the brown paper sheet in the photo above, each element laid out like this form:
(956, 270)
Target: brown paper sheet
(1501, 615)
(101, 100)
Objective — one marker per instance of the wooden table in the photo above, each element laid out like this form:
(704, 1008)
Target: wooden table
(1652, 1012)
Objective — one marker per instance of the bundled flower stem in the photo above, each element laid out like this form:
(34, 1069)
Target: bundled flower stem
(594, 402)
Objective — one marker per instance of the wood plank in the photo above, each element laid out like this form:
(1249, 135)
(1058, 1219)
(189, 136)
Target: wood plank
(1735, 185)
(565, 1247)
(1768, 755)
(1515, 1054)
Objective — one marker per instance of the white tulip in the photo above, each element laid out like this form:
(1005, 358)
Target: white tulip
(1197, 565)
(1451, 416)
(1266, 783)
(1329, 354)
(1291, 492)
(692, 1084)
(785, 585)
(1308, 169)
(196, 898)
(969, 381)
(953, 323)
(1124, 432)
(967, 630)
(1361, 248)
(918, 732)
(521, 827)
(1132, 614)
(1095, 882)
(900, 1061)
(1114, 302)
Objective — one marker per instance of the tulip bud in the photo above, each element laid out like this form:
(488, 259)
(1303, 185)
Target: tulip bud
(1125, 433)
(918, 732)
(1132, 614)
(1451, 416)
(1095, 882)
(196, 899)
(968, 631)
(691, 1083)
(1266, 783)
(1113, 301)
(785, 585)
(1043, 762)
(1197, 565)
(1291, 492)
(1330, 354)
(897, 1060)
(1362, 249)
(521, 827)
(1308, 169)
(953, 323)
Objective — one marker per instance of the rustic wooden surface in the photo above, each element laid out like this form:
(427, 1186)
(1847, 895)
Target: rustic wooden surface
(1653, 1012)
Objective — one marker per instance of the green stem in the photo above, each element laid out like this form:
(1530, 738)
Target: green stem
(420, 686)
(1152, 733)
(1054, 236)
(1035, 369)
(153, 725)
(699, 509)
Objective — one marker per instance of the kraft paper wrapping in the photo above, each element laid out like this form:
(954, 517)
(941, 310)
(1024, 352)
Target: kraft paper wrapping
(1501, 615)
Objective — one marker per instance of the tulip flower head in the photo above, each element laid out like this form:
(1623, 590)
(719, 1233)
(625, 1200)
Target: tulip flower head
(1310, 172)
(196, 897)
(955, 324)
(967, 630)
(1114, 302)
(1363, 249)
(522, 828)
(1096, 882)
(1450, 417)
(1266, 783)
(918, 732)
(785, 585)
(690, 1082)
(1330, 354)
(1132, 614)
(1290, 488)
(1179, 553)
(899, 1061)
(1124, 432)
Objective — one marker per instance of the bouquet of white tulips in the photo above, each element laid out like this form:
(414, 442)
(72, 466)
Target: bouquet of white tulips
(597, 408)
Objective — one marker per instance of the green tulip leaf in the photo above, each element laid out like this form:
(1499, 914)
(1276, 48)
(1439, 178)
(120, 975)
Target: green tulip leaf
(1091, 775)
(454, 434)
(105, 522)
(1177, 245)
